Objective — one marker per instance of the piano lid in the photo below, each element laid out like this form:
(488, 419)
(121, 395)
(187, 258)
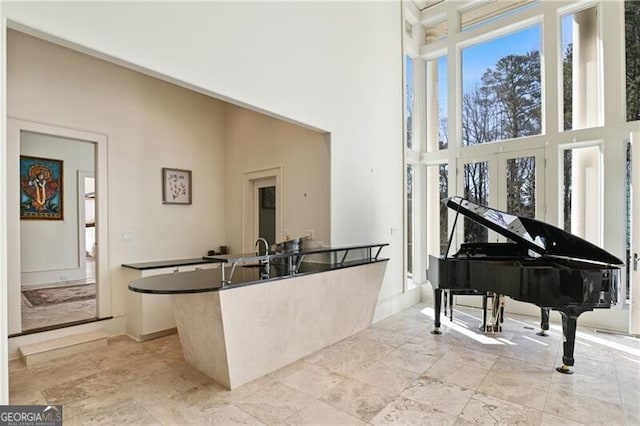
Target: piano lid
(538, 236)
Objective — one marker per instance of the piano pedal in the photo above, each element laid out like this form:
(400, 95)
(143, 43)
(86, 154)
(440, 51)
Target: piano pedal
(565, 369)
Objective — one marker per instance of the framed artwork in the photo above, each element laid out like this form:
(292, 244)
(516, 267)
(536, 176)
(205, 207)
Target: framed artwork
(176, 186)
(41, 188)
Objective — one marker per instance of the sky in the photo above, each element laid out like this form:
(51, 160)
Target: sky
(480, 57)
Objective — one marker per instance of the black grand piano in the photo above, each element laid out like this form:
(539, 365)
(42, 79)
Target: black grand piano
(541, 264)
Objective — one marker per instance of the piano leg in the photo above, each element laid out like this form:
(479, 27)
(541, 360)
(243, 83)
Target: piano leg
(544, 322)
(569, 323)
(437, 297)
(450, 306)
(483, 326)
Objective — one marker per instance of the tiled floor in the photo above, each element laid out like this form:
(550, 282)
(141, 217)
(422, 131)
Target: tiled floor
(396, 372)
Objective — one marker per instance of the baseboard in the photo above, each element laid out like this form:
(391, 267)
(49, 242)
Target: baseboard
(113, 327)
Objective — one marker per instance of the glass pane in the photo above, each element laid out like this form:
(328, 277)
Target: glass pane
(567, 70)
(437, 212)
(566, 197)
(581, 98)
(443, 172)
(410, 200)
(632, 45)
(582, 193)
(437, 104)
(521, 186)
(476, 189)
(501, 88)
(409, 100)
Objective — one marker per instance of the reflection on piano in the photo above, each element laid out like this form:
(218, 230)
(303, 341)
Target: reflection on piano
(541, 264)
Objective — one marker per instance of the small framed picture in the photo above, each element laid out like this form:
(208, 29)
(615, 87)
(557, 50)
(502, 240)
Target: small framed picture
(176, 186)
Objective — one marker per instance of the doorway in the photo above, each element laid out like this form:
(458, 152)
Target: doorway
(265, 211)
(262, 207)
(54, 281)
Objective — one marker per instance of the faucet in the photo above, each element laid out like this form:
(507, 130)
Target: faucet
(257, 246)
(264, 261)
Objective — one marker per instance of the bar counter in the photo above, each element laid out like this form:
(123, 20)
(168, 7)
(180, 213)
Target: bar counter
(243, 324)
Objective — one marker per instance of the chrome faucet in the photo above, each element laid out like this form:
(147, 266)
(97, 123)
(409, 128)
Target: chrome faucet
(266, 246)
(265, 260)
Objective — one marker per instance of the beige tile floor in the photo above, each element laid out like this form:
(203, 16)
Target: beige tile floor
(395, 372)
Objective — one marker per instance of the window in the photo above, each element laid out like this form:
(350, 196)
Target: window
(476, 190)
(580, 70)
(511, 143)
(632, 46)
(501, 88)
(409, 102)
(436, 120)
(582, 198)
(437, 211)
(410, 218)
(521, 186)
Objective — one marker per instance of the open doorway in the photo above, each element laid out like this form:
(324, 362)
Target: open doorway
(57, 266)
(262, 212)
(57, 223)
(265, 210)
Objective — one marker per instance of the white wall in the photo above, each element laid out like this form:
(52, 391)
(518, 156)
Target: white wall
(256, 142)
(329, 65)
(50, 250)
(149, 124)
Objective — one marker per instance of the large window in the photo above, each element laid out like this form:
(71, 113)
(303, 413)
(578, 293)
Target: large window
(501, 88)
(507, 124)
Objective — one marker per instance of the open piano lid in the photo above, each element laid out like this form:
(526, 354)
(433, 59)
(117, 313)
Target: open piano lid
(540, 237)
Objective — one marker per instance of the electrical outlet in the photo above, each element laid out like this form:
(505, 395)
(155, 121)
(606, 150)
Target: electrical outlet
(310, 233)
(127, 236)
(63, 278)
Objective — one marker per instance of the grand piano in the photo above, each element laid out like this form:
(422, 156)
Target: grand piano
(540, 264)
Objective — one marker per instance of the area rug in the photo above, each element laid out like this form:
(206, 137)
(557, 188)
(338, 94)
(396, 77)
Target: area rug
(56, 295)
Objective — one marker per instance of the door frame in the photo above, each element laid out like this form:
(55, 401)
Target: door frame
(82, 227)
(251, 182)
(103, 290)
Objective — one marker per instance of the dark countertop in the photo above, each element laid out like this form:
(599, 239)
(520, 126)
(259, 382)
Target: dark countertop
(167, 263)
(240, 272)
(206, 280)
